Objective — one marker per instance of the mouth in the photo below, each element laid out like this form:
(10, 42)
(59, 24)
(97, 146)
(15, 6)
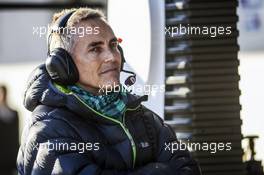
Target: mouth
(109, 70)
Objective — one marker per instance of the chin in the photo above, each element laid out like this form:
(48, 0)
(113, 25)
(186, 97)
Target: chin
(110, 85)
(113, 83)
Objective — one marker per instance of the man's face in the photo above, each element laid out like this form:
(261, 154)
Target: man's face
(97, 57)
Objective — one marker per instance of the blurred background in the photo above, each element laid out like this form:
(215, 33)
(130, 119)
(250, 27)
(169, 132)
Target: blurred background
(214, 85)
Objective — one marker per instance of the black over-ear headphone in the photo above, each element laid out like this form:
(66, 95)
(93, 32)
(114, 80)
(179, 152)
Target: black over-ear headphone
(60, 64)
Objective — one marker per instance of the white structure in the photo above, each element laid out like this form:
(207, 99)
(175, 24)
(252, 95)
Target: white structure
(140, 23)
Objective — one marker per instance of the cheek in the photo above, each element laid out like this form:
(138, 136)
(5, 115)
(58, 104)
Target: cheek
(87, 70)
(119, 60)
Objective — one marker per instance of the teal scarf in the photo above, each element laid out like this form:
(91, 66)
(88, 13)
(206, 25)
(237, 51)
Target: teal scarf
(112, 105)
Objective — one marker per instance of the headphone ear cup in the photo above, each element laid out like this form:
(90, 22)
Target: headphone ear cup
(122, 56)
(61, 67)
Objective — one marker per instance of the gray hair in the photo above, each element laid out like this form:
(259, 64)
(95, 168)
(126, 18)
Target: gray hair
(65, 39)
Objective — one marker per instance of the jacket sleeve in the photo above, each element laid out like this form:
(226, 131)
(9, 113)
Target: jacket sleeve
(38, 155)
(169, 161)
(68, 163)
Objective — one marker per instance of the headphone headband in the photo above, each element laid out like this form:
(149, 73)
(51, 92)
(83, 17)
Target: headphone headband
(59, 26)
(62, 22)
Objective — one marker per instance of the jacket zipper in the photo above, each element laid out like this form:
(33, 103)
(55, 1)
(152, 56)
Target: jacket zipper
(133, 145)
(123, 126)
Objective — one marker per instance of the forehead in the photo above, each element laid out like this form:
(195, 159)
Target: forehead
(94, 30)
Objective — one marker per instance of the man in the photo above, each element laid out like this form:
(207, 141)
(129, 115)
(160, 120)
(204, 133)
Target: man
(78, 128)
(8, 135)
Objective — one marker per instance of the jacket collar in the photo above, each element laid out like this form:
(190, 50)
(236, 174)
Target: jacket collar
(72, 102)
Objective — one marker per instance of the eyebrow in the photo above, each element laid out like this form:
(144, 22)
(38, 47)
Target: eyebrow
(96, 43)
(93, 44)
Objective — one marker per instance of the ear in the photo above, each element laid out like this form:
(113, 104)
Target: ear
(61, 67)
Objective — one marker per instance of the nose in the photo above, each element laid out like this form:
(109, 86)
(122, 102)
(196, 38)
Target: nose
(109, 56)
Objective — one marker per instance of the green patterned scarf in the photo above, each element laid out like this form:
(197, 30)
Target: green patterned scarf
(112, 105)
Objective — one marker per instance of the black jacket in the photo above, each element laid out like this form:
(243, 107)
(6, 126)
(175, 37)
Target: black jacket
(64, 136)
(8, 147)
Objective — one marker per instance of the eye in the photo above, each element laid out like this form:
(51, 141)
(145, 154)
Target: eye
(114, 45)
(95, 49)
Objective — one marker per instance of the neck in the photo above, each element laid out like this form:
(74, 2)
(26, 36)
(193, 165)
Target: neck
(92, 90)
(99, 91)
